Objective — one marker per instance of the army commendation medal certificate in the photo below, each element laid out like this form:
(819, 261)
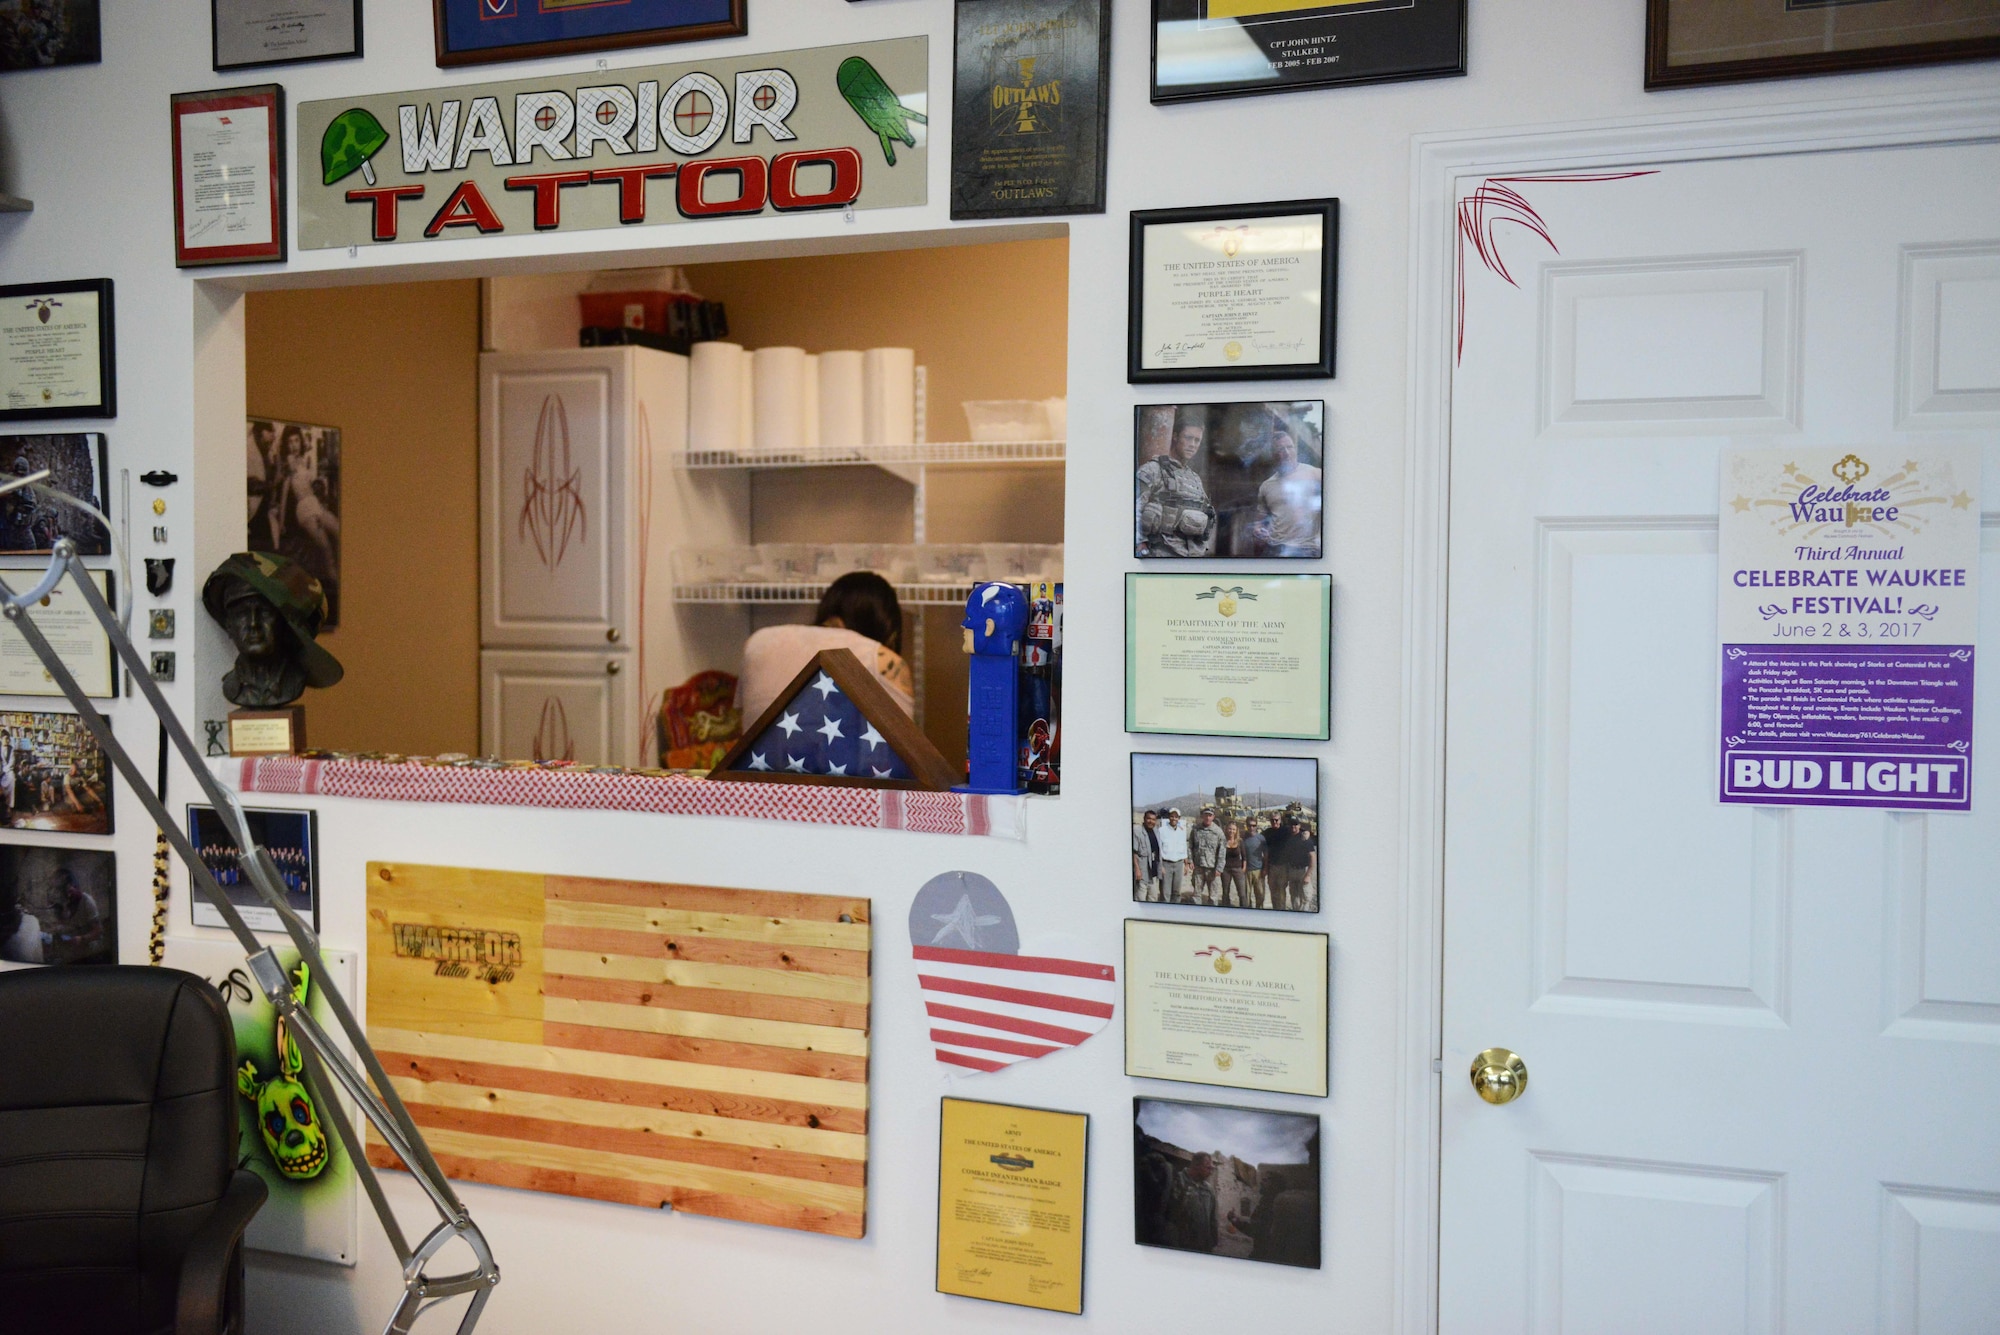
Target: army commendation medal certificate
(1228, 655)
(1010, 1204)
(1241, 1007)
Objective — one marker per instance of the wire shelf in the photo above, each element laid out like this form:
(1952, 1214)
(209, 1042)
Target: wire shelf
(929, 452)
(909, 595)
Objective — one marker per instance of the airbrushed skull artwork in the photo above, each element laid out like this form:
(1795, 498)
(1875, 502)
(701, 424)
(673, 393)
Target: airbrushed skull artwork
(286, 1116)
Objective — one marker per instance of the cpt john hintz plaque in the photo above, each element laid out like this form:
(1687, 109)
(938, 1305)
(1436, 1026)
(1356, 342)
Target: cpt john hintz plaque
(1028, 122)
(1849, 602)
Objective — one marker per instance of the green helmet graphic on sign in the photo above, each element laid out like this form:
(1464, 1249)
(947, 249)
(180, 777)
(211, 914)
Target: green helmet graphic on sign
(354, 137)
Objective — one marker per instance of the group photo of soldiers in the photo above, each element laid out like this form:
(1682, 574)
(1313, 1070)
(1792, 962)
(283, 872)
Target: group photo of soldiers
(53, 774)
(287, 835)
(1226, 831)
(1228, 479)
(1226, 1181)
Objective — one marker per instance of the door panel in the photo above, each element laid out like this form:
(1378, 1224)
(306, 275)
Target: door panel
(556, 706)
(553, 499)
(1758, 1040)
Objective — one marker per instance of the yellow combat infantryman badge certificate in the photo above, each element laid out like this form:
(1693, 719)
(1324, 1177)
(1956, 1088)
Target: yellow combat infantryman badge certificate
(1230, 1006)
(1010, 1204)
(1228, 655)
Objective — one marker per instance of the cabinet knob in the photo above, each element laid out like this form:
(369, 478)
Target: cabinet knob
(612, 635)
(614, 667)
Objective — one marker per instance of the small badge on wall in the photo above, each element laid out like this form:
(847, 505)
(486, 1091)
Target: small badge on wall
(160, 623)
(163, 665)
(159, 575)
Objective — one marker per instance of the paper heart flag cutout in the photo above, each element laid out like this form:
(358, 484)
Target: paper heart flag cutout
(988, 1004)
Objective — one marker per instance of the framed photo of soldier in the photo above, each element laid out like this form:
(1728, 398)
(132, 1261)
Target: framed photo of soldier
(1229, 480)
(1223, 1181)
(76, 463)
(53, 774)
(1244, 292)
(1238, 832)
(58, 905)
(294, 497)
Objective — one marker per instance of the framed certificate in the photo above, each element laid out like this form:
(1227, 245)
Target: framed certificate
(1241, 1007)
(229, 176)
(1239, 293)
(1234, 48)
(1010, 1204)
(75, 634)
(1229, 655)
(248, 33)
(56, 351)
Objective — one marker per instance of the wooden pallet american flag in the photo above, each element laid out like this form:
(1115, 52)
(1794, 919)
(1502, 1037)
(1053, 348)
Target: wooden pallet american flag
(635, 1042)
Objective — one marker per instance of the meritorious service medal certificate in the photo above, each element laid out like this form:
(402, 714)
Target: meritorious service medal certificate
(1228, 655)
(1239, 1007)
(1010, 1204)
(71, 630)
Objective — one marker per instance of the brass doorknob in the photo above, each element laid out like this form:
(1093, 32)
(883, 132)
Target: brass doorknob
(1499, 1076)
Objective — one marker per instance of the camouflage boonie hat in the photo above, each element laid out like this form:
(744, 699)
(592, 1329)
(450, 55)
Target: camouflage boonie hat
(284, 584)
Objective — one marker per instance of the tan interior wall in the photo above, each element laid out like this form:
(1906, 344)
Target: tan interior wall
(989, 322)
(396, 368)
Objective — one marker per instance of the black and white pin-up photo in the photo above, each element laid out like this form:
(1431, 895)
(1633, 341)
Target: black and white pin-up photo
(32, 523)
(1228, 480)
(58, 905)
(294, 494)
(1236, 1182)
(1226, 831)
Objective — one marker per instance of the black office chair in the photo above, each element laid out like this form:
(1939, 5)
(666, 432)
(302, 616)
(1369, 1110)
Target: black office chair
(121, 1207)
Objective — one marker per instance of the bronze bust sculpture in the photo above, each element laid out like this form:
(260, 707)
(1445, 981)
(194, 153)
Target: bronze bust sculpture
(272, 610)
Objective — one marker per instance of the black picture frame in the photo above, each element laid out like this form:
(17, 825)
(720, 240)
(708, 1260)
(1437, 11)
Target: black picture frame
(205, 828)
(1662, 73)
(1079, 181)
(1242, 526)
(216, 62)
(1252, 810)
(107, 350)
(70, 731)
(81, 934)
(66, 454)
(1320, 366)
(736, 25)
(1149, 1233)
(1373, 41)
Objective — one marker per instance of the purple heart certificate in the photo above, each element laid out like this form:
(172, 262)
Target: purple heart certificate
(1849, 616)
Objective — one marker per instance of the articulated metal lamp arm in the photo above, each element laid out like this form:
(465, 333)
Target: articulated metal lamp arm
(373, 1092)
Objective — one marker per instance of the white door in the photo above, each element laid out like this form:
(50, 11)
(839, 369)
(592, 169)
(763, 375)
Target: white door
(568, 705)
(1763, 1092)
(555, 554)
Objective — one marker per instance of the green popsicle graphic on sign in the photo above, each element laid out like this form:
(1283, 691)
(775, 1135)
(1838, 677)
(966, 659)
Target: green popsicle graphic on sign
(877, 105)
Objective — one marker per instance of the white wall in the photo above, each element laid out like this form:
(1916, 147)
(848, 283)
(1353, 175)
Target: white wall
(90, 147)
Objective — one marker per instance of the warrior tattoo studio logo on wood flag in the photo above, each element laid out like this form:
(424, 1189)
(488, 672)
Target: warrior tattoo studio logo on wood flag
(646, 1044)
(774, 132)
(988, 1004)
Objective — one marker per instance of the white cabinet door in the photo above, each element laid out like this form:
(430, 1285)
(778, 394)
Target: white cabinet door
(557, 706)
(1760, 1042)
(556, 555)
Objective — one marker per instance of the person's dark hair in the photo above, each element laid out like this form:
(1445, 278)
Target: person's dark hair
(866, 604)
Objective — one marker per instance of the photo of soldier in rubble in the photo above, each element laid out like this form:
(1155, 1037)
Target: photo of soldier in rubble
(1226, 1181)
(1229, 480)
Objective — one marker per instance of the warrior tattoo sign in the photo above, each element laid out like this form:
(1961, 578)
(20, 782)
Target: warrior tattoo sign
(833, 127)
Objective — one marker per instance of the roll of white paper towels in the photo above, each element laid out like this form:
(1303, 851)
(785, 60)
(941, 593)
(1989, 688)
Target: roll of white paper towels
(889, 396)
(716, 377)
(778, 377)
(840, 415)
